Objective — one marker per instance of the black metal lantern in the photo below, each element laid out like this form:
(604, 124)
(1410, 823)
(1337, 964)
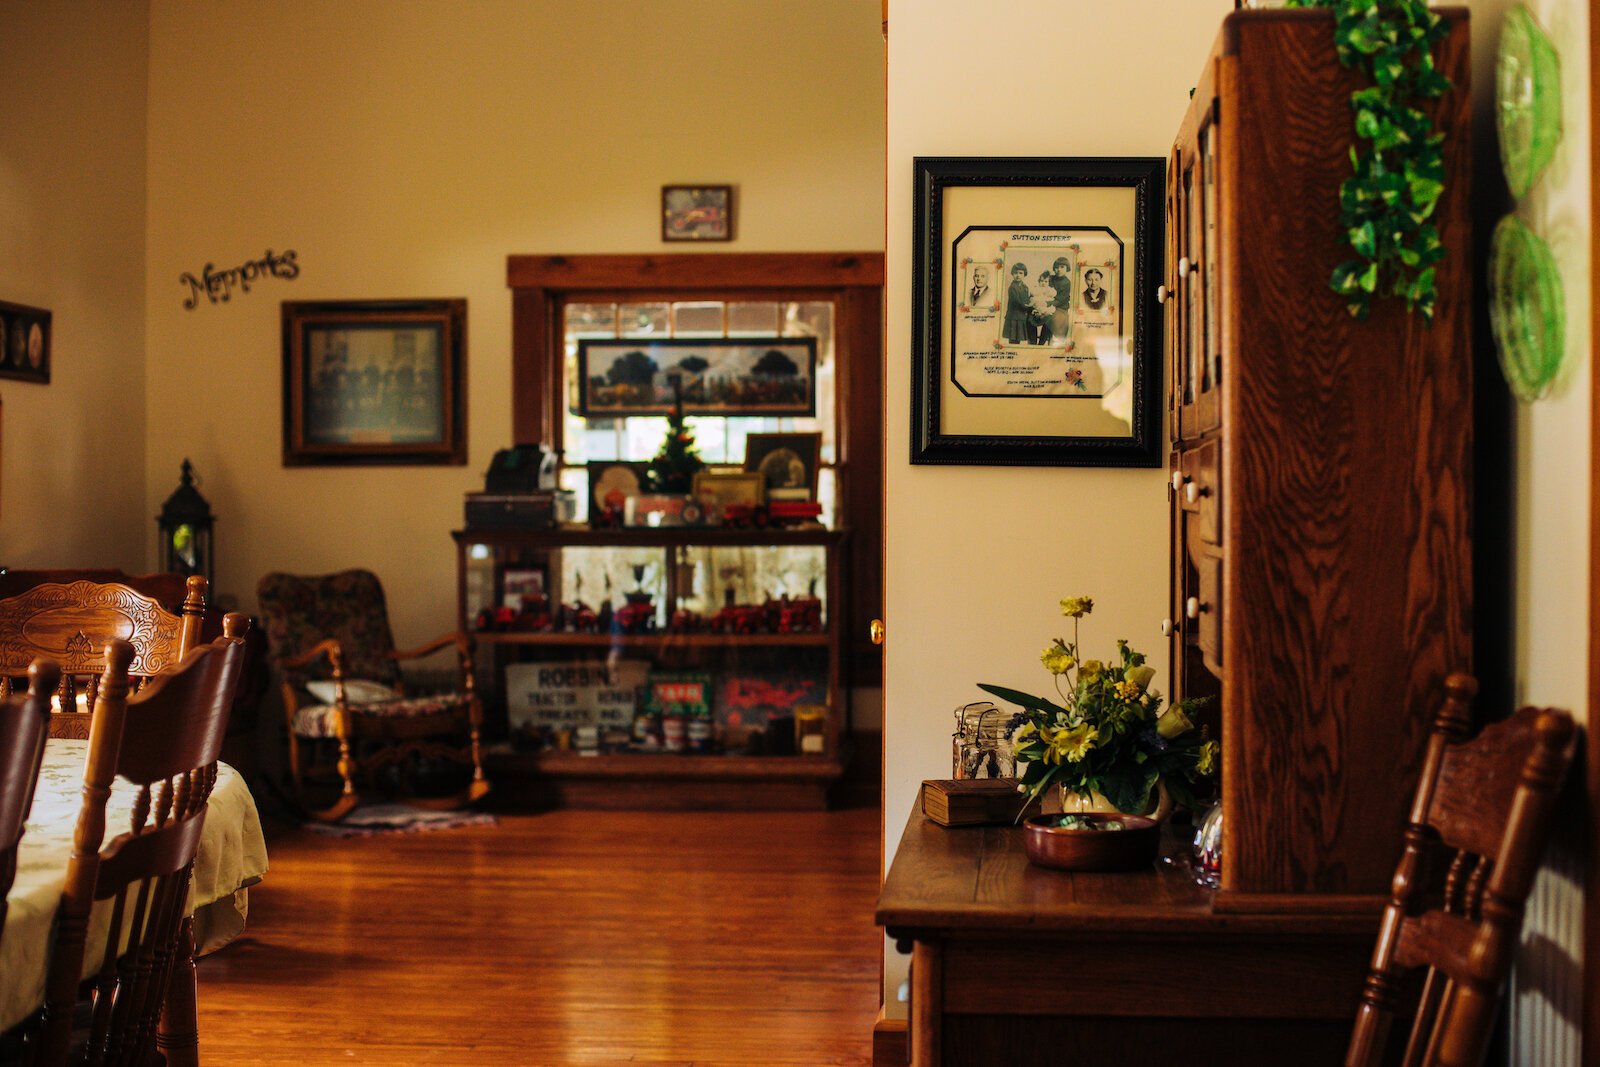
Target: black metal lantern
(185, 524)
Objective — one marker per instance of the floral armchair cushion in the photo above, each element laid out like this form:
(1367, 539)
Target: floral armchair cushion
(301, 610)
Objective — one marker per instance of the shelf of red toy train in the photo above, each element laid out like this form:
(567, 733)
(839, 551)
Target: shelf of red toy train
(662, 781)
(654, 639)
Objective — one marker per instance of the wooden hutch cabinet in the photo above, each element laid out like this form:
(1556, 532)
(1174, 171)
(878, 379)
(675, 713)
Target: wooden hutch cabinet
(1321, 592)
(1320, 469)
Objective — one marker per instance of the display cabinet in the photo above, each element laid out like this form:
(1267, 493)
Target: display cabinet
(665, 667)
(1320, 469)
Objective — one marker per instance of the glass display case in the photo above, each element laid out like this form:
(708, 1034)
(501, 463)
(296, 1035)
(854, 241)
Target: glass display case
(677, 652)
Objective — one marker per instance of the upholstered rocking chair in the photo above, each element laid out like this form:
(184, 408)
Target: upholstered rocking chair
(329, 636)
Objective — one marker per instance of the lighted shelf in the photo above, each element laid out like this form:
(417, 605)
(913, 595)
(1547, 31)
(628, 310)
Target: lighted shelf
(658, 639)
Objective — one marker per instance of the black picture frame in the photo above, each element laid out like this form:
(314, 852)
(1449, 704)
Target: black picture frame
(25, 343)
(399, 398)
(774, 456)
(1133, 332)
(720, 360)
(696, 213)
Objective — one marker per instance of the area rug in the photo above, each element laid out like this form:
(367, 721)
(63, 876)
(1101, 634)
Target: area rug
(394, 818)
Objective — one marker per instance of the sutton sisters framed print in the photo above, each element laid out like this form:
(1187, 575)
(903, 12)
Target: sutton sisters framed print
(1034, 327)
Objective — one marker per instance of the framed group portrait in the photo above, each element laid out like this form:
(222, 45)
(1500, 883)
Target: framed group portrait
(374, 381)
(1036, 333)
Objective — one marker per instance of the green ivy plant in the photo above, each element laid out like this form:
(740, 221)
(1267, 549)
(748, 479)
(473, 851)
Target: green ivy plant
(1387, 204)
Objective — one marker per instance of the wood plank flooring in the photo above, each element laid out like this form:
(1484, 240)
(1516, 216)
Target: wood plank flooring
(664, 939)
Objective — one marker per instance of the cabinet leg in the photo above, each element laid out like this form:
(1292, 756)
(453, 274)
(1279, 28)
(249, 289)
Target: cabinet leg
(927, 1005)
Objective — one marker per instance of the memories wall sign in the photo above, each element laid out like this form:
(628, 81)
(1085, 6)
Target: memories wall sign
(218, 286)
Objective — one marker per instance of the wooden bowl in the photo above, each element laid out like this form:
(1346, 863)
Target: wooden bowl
(1128, 849)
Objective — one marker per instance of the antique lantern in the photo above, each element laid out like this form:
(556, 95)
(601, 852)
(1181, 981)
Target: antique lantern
(185, 524)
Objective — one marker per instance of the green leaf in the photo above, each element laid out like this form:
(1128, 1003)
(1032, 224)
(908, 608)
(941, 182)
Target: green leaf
(1023, 699)
(1128, 788)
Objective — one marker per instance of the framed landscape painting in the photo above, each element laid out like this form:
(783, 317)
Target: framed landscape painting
(710, 376)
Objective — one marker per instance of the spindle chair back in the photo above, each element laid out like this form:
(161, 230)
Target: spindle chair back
(24, 725)
(1479, 823)
(164, 741)
(71, 622)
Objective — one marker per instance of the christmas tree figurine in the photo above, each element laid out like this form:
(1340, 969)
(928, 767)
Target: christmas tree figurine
(673, 468)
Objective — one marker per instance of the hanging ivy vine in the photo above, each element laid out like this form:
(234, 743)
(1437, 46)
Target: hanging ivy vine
(1387, 203)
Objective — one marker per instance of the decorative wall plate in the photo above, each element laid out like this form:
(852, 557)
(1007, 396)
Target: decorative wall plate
(1527, 309)
(1527, 100)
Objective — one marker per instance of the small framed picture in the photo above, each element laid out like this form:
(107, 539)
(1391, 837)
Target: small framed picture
(521, 585)
(697, 212)
(612, 484)
(717, 491)
(24, 343)
(787, 463)
(374, 381)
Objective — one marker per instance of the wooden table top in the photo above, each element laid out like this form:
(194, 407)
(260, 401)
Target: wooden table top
(978, 878)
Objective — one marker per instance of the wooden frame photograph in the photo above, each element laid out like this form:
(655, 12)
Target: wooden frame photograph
(717, 489)
(697, 212)
(1035, 330)
(787, 462)
(24, 343)
(374, 381)
(710, 376)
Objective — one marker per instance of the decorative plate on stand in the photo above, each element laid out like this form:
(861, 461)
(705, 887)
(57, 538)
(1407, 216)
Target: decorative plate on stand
(1527, 309)
(1527, 89)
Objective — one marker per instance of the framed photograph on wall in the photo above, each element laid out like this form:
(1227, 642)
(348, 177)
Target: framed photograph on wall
(711, 376)
(24, 343)
(787, 462)
(1035, 329)
(697, 212)
(374, 381)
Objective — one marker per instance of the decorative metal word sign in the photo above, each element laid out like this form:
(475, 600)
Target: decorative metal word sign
(218, 285)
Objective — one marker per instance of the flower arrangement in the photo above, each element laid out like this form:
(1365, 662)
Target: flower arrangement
(1108, 734)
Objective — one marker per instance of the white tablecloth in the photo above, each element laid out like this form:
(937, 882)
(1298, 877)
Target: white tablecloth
(232, 856)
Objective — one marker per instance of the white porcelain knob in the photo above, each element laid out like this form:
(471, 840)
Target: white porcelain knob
(1183, 267)
(1168, 627)
(1191, 607)
(1162, 294)
(1177, 480)
(1191, 492)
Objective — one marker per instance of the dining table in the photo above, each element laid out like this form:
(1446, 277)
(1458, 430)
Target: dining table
(231, 857)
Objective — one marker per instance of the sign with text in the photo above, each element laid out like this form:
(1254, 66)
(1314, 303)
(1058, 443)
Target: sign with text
(569, 694)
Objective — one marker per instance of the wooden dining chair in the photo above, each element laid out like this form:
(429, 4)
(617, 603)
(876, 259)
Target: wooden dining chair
(24, 725)
(164, 741)
(330, 632)
(1478, 826)
(70, 623)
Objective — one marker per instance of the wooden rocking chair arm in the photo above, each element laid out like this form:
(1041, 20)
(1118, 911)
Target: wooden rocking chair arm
(327, 647)
(459, 640)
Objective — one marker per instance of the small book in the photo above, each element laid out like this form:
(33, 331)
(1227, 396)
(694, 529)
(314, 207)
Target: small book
(975, 801)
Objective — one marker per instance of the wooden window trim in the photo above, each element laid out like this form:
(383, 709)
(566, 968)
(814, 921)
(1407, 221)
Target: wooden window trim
(542, 285)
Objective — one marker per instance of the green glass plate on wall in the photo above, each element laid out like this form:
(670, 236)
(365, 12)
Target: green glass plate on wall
(1527, 309)
(1527, 90)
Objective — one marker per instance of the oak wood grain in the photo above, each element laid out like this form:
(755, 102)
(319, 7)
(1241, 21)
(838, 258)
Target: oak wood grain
(567, 938)
(1346, 460)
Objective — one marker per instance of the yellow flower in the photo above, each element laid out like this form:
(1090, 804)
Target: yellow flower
(1207, 761)
(1057, 660)
(1173, 722)
(1125, 691)
(1076, 607)
(1073, 743)
(1091, 667)
(1141, 676)
(1024, 730)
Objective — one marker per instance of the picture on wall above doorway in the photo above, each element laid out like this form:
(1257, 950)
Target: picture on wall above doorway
(1035, 332)
(24, 343)
(697, 212)
(374, 381)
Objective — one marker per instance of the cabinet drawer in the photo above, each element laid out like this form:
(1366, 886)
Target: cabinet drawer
(1200, 489)
(1203, 611)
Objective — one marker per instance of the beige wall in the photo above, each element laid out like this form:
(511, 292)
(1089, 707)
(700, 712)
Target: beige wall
(72, 163)
(1552, 506)
(979, 556)
(403, 150)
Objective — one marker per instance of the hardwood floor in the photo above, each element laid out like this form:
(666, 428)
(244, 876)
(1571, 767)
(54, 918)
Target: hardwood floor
(664, 939)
